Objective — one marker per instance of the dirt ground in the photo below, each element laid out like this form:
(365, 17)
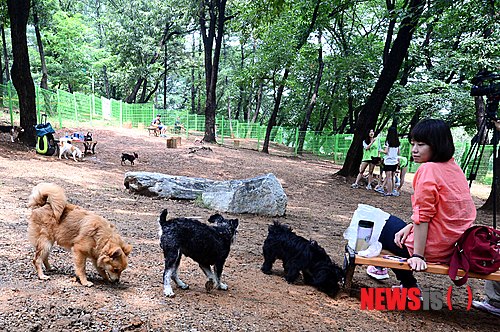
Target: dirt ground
(320, 206)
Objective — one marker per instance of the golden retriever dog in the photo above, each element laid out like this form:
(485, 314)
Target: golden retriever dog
(87, 235)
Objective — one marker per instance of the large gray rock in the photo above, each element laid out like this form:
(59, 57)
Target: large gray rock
(261, 195)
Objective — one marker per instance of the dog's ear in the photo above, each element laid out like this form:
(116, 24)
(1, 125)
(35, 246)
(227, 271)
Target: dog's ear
(235, 223)
(117, 253)
(127, 248)
(215, 218)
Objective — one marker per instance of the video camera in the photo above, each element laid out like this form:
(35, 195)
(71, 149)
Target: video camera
(479, 87)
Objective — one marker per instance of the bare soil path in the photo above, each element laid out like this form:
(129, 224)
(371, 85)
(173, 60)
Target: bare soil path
(320, 206)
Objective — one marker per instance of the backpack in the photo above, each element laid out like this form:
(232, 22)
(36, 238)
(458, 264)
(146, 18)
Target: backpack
(477, 250)
(45, 142)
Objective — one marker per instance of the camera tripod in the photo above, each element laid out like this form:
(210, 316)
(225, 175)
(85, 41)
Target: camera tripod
(477, 149)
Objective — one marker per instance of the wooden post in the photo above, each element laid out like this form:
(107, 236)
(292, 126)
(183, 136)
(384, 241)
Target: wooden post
(171, 143)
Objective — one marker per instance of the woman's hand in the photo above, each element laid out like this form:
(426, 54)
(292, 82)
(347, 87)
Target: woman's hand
(400, 237)
(417, 263)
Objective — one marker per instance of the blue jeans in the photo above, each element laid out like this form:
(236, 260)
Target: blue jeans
(392, 226)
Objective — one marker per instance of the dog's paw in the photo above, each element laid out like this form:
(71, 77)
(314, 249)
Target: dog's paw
(183, 286)
(87, 283)
(209, 285)
(222, 286)
(266, 271)
(169, 292)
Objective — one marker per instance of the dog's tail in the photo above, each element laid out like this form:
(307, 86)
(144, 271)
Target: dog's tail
(163, 218)
(48, 193)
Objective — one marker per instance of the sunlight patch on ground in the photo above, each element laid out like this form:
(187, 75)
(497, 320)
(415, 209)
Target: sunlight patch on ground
(134, 212)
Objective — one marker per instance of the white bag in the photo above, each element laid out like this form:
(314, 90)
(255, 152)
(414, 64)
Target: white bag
(378, 217)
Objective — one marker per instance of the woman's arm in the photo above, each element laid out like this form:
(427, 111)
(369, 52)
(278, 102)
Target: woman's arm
(417, 261)
(400, 237)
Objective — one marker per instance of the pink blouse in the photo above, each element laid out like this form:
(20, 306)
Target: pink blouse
(442, 199)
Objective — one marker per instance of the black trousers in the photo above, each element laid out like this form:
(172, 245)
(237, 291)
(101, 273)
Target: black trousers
(392, 226)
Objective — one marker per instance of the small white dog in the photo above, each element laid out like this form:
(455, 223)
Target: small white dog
(65, 148)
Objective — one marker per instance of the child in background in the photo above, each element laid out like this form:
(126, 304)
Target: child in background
(391, 160)
(370, 159)
(403, 169)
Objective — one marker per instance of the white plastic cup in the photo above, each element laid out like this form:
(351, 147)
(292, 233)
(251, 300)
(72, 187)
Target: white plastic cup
(365, 229)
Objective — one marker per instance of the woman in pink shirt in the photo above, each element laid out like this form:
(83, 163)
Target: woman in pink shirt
(442, 206)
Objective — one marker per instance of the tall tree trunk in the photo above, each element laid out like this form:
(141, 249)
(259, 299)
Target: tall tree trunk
(167, 34)
(133, 95)
(368, 116)
(277, 102)
(390, 4)
(43, 81)
(152, 92)
(216, 10)
(193, 82)
(5, 53)
(165, 71)
(106, 82)
(241, 96)
(274, 115)
(312, 103)
(143, 92)
(258, 103)
(493, 201)
(325, 115)
(21, 74)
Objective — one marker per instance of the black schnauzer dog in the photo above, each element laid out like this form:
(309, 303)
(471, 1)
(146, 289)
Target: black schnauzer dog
(206, 245)
(129, 157)
(299, 254)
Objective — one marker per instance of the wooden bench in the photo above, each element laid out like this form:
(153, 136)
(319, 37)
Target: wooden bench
(351, 260)
(153, 130)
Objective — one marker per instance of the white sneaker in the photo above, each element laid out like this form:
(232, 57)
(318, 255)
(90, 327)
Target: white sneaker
(379, 273)
(354, 186)
(369, 187)
(485, 306)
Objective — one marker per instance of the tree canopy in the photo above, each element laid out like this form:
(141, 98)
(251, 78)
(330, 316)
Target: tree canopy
(271, 53)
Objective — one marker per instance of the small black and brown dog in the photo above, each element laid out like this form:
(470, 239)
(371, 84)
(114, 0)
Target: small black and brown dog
(129, 157)
(301, 255)
(12, 130)
(205, 244)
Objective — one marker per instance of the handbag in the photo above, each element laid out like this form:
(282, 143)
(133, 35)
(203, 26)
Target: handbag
(477, 250)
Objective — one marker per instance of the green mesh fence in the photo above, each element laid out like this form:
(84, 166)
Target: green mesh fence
(69, 110)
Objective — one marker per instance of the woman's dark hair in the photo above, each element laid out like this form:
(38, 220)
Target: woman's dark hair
(437, 134)
(392, 139)
(367, 137)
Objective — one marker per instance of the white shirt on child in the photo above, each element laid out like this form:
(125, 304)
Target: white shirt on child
(391, 158)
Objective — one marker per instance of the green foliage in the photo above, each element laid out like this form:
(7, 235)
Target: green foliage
(453, 43)
(72, 46)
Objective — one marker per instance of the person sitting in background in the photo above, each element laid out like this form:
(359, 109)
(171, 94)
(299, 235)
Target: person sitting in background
(156, 122)
(178, 125)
